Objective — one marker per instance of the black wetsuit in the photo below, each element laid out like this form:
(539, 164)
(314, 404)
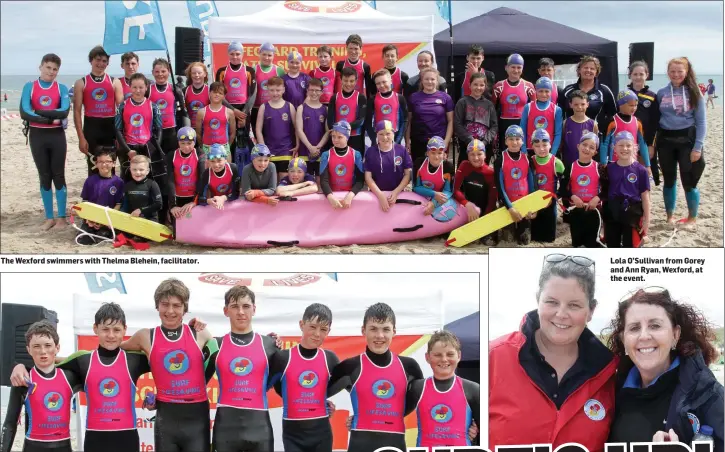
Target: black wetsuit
(181, 427)
(169, 142)
(471, 390)
(241, 430)
(12, 416)
(144, 195)
(305, 435)
(97, 131)
(349, 371)
(112, 440)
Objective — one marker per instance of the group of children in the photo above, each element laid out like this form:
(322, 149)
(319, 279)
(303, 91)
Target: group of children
(258, 133)
(182, 357)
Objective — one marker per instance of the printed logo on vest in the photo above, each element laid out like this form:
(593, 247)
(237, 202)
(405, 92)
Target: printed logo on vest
(241, 366)
(593, 97)
(176, 362)
(99, 94)
(541, 179)
(214, 123)
(398, 160)
(112, 189)
(263, 85)
(322, 118)
(235, 83)
(646, 104)
(386, 109)
(303, 84)
(162, 104)
(344, 110)
(340, 170)
(427, 184)
(513, 99)
(325, 81)
(44, 101)
(285, 116)
(308, 379)
(196, 105)
(694, 421)
(540, 122)
(109, 387)
(53, 401)
(632, 177)
(223, 188)
(383, 389)
(516, 173)
(441, 413)
(583, 180)
(185, 169)
(137, 120)
(594, 410)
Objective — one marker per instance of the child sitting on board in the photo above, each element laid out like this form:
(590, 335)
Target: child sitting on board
(387, 166)
(474, 185)
(184, 169)
(219, 183)
(583, 185)
(297, 182)
(547, 171)
(103, 188)
(627, 208)
(259, 178)
(341, 168)
(433, 175)
(514, 180)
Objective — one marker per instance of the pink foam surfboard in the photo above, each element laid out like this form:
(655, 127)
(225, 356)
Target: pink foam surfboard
(311, 221)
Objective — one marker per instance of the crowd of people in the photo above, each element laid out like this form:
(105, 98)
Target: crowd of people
(258, 133)
(182, 358)
(649, 383)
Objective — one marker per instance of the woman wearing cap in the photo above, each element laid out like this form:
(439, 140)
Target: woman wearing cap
(648, 111)
(433, 174)
(259, 178)
(552, 381)
(220, 182)
(474, 183)
(430, 114)
(602, 105)
(387, 166)
(681, 137)
(665, 390)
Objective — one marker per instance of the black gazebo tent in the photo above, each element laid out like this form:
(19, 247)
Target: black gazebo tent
(468, 331)
(504, 31)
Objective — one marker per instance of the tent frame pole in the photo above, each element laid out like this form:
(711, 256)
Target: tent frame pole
(454, 141)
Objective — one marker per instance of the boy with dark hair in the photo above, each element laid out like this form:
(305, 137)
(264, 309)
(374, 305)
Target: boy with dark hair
(386, 105)
(46, 393)
(363, 82)
(104, 189)
(109, 376)
(547, 68)
(304, 372)
(122, 85)
(398, 78)
(378, 382)
(350, 105)
(474, 65)
(94, 106)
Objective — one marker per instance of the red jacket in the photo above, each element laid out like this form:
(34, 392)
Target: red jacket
(520, 413)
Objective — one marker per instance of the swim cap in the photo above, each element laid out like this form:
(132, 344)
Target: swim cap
(234, 46)
(267, 47)
(260, 150)
(294, 55)
(475, 145)
(540, 135)
(186, 134)
(625, 96)
(342, 127)
(590, 136)
(515, 59)
(216, 151)
(621, 136)
(514, 131)
(383, 125)
(544, 83)
(436, 143)
(297, 163)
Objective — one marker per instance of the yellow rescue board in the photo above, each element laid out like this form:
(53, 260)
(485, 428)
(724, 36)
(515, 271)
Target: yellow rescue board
(123, 222)
(498, 219)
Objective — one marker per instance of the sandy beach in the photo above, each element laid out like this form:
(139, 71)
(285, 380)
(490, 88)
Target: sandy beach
(21, 210)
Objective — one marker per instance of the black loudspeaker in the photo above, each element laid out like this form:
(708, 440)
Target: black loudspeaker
(188, 48)
(643, 51)
(16, 319)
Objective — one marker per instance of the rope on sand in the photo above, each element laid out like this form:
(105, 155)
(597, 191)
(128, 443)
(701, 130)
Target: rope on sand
(9, 117)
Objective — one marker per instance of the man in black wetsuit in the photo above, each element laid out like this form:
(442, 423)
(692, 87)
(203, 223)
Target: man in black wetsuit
(377, 381)
(105, 432)
(47, 415)
(304, 373)
(174, 352)
(240, 359)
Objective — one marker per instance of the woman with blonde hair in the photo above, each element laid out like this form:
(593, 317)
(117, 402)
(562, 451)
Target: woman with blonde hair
(681, 137)
(602, 105)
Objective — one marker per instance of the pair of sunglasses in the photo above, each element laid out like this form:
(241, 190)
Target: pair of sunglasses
(579, 260)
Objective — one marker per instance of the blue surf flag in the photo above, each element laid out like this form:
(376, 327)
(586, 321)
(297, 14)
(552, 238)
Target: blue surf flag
(199, 14)
(133, 26)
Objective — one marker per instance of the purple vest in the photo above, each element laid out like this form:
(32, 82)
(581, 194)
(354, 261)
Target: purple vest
(278, 132)
(572, 133)
(313, 124)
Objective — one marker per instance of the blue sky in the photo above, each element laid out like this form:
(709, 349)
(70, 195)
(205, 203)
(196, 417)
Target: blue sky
(70, 29)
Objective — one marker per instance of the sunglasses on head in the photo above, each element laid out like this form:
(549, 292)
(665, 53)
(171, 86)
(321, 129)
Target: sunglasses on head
(557, 258)
(540, 141)
(659, 290)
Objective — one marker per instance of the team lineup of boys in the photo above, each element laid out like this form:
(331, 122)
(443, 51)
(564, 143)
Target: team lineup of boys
(383, 386)
(310, 136)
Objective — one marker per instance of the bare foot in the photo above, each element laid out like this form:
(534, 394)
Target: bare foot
(61, 223)
(47, 224)
(671, 220)
(688, 224)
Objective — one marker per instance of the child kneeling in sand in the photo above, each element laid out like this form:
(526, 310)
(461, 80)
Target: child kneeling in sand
(259, 178)
(297, 182)
(104, 189)
(220, 182)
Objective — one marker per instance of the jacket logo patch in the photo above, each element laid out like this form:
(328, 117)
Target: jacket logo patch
(694, 421)
(594, 410)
